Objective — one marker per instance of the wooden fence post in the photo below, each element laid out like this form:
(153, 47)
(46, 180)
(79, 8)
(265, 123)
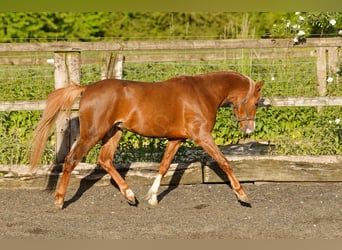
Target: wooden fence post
(113, 66)
(333, 58)
(67, 69)
(322, 71)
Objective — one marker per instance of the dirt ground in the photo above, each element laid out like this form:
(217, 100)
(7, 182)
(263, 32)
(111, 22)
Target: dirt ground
(202, 211)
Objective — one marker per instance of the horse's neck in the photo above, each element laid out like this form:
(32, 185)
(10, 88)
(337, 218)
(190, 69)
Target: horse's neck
(226, 89)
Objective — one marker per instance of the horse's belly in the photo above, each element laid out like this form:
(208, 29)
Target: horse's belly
(160, 126)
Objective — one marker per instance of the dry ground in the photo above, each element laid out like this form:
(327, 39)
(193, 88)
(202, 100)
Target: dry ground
(203, 211)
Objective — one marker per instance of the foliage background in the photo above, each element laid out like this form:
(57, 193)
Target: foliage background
(91, 26)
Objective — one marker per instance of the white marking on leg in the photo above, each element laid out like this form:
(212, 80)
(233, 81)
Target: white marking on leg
(152, 193)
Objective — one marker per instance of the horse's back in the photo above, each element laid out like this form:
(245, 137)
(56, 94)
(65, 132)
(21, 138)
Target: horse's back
(141, 91)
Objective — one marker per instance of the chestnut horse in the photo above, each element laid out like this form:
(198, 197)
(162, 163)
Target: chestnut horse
(179, 108)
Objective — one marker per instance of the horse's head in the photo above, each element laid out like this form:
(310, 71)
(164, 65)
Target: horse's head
(245, 106)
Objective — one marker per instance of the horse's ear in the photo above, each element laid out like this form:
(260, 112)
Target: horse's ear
(258, 86)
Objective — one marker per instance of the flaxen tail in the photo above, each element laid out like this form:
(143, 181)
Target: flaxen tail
(58, 100)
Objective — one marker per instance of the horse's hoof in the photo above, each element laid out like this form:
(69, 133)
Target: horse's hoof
(151, 198)
(59, 205)
(134, 203)
(59, 202)
(130, 197)
(243, 198)
(153, 203)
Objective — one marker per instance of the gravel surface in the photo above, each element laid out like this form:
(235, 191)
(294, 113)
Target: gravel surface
(203, 211)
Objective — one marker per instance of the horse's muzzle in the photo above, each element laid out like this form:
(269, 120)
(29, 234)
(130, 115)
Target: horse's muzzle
(247, 127)
(248, 131)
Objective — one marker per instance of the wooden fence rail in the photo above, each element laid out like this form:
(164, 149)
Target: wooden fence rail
(168, 45)
(317, 101)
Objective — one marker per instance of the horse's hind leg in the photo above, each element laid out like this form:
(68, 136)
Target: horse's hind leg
(71, 160)
(110, 144)
(170, 151)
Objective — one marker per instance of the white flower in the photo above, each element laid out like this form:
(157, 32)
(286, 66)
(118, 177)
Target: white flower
(332, 22)
(301, 33)
(295, 26)
(330, 121)
(340, 32)
(297, 13)
(272, 78)
(301, 18)
(337, 121)
(330, 79)
(50, 61)
(288, 24)
(295, 40)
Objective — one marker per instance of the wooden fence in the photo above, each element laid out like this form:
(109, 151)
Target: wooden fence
(68, 59)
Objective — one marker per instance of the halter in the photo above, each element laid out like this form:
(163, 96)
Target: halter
(244, 102)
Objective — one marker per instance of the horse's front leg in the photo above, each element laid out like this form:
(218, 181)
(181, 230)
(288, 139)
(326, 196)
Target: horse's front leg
(208, 144)
(170, 151)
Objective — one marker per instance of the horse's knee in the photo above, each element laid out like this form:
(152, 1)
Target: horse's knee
(226, 167)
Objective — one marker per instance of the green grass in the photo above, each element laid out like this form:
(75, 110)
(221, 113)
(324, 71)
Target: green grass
(24, 82)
